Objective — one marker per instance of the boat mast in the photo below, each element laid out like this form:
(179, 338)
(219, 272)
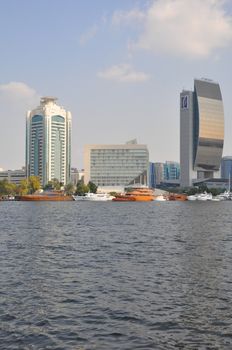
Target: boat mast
(229, 180)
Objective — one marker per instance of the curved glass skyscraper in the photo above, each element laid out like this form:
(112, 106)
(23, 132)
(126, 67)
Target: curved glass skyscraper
(48, 142)
(201, 131)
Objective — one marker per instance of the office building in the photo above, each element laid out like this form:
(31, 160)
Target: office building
(152, 175)
(201, 132)
(48, 142)
(116, 166)
(159, 173)
(226, 168)
(13, 176)
(76, 175)
(171, 171)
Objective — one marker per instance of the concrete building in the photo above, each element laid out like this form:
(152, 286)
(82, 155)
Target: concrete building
(116, 166)
(226, 168)
(76, 175)
(201, 132)
(159, 173)
(48, 142)
(13, 176)
(152, 175)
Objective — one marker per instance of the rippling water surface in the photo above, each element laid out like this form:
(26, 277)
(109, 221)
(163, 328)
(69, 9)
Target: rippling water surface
(105, 276)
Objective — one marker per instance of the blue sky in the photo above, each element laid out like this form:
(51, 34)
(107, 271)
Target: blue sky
(117, 65)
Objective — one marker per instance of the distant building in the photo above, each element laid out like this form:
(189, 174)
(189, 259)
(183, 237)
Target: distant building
(201, 132)
(152, 175)
(76, 175)
(226, 168)
(13, 176)
(116, 166)
(48, 142)
(171, 171)
(159, 173)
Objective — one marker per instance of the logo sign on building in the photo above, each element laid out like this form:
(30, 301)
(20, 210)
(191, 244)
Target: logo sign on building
(184, 102)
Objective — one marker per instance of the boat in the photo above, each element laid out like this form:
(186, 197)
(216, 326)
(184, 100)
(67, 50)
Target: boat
(139, 194)
(192, 197)
(177, 197)
(200, 197)
(204, 196)
(225, 196)
(160, 198)
(45, 196)
(94, 197)
(123, 198)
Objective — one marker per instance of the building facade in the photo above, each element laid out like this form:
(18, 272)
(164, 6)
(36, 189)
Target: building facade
(171, 171)
(152, 175)
(13, 176)
(48, 142)
(201, 132)
(226, 168)
(159, 173)
(116, 166)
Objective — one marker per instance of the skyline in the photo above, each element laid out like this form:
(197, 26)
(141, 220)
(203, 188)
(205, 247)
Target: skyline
(113, 66)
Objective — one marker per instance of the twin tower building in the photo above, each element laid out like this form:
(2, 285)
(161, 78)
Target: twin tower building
(48, 137)
(48, 142)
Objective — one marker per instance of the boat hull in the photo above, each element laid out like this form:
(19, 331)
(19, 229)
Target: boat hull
(40, 198)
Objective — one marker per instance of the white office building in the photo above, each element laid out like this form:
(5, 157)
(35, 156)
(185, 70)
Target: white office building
(116, 166)
(48, 142)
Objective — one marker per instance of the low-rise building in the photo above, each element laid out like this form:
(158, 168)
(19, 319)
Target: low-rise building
(13, 176)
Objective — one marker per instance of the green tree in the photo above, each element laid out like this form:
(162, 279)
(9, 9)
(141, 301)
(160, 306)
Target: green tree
(53, 185)
(7, 188)
(33, 184)
(23, 188)
(69, 188)
(81, 188)
(92, 187)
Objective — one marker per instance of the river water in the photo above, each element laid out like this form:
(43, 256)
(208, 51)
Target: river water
(85, 276)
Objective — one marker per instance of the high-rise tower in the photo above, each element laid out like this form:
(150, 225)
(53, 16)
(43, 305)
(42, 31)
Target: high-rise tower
(48, 142)
(201, 131)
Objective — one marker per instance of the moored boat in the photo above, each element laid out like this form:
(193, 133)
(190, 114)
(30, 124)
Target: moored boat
(45, 196)
(160, 198)
(94, 197)
(140, 194)
(177, 197)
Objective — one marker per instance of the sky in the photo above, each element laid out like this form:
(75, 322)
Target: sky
(117, 65)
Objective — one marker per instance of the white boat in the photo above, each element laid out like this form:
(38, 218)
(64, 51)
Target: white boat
(204, 196)
(193, 197)
(160, 198)
(200, 197)
(225, 196)
(94, 197)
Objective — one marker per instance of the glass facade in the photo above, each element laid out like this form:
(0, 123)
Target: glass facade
(201, 132)
(37, 145)
(226, 168)
(171, 171)
(118, 166)
(209, 126)
(58, 148)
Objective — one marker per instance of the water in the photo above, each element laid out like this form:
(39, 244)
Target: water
(85, 276)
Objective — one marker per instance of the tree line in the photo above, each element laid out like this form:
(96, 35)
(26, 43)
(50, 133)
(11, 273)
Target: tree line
(32, 184)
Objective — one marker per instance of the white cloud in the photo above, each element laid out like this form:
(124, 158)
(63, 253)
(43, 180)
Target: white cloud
(181, 27)
(16, 98)
(18, 92)
(123, 17)
(88, 35)
(124, 73)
